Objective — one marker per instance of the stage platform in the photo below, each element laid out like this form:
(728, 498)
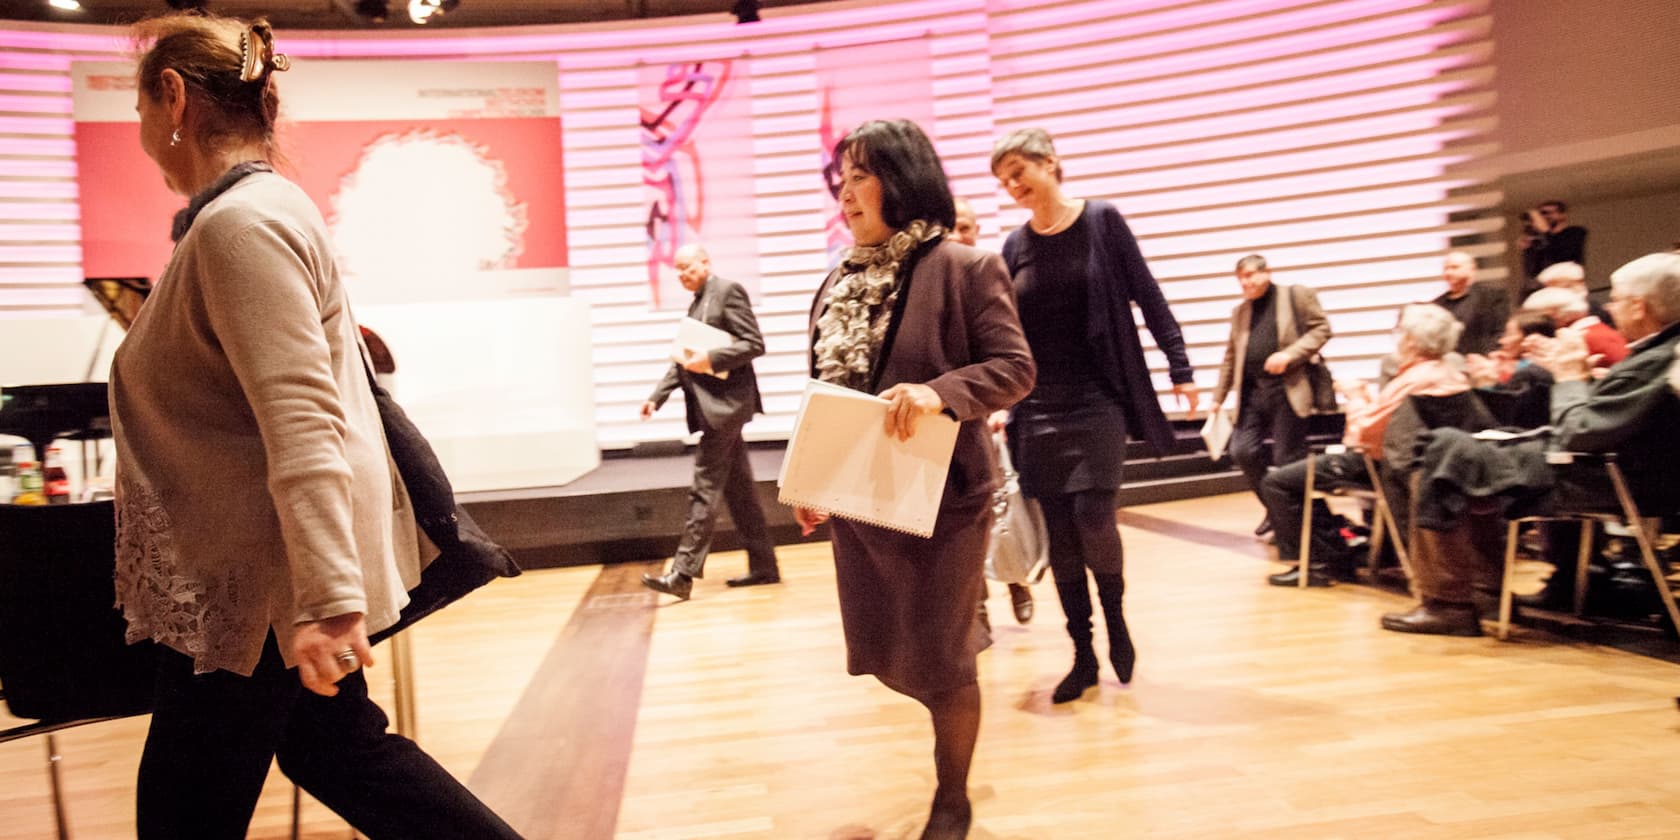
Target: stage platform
(633, 506)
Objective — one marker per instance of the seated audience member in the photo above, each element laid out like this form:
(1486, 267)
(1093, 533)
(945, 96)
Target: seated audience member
(1570, 275)
(1508, 368)
(1568, 308)
(1480, 307)
(1426, 334)
(1633, 411)
(1512, 388)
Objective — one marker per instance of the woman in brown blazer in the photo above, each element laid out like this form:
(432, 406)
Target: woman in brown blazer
(930, 325)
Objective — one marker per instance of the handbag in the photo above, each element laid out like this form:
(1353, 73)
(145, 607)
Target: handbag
(1323, 385)
(1019, 550)
(467, 557)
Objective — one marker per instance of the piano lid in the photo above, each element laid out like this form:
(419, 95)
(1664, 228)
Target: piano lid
(44, 413)
(121, 296)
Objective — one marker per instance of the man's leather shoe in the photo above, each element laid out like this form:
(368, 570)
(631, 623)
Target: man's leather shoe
(1264, 528)
(1020, 597)
(753, 579)
(1315, 577)
(673, 583)
(1436, 620)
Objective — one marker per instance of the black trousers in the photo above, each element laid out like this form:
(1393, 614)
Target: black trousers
(1283, 490)
(213, 737)
(721, 470)
(1266, 415)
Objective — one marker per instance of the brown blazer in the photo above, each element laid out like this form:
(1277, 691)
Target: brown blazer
(956, 330)
(1302, 331)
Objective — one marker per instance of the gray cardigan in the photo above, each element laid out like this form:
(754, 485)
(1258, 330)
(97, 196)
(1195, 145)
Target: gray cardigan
(254, 488)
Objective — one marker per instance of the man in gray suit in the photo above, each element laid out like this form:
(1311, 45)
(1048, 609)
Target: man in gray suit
(720, 394)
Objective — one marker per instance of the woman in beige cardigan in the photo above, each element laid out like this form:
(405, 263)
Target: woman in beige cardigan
(261, 534)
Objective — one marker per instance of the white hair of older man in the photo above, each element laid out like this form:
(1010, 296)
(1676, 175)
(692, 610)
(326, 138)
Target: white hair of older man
(1655, 279)
(1555, 298)
(1561, 273)
(1433, 330)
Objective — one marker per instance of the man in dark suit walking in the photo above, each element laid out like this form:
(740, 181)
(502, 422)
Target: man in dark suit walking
(720, 394)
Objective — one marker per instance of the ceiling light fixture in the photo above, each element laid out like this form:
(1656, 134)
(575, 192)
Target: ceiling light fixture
(424, 11)
(66, 5)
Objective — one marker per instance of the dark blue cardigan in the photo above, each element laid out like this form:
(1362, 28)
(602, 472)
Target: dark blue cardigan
(1118, 278)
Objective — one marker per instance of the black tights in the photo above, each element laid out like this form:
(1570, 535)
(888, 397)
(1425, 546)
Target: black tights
(1082, 534)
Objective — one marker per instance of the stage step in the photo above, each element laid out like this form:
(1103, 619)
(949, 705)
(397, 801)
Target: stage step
(633, 508)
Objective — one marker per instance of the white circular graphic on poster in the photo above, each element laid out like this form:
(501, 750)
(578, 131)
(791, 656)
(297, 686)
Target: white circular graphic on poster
(426, 203)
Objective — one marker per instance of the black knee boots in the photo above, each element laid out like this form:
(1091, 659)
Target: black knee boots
(1076, 604)
(1120, 651)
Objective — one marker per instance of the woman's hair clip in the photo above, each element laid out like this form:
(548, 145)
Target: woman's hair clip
(252, 61)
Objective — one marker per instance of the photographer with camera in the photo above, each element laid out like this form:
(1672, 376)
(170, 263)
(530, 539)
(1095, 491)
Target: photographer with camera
(1548, 238)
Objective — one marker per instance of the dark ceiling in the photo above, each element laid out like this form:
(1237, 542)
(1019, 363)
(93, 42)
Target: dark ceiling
(341, 14)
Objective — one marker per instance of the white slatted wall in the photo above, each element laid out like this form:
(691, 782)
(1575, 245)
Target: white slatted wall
(1338, 138)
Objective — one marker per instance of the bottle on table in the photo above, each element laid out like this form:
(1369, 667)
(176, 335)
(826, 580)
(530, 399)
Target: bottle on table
(29, 484)
(54, 480)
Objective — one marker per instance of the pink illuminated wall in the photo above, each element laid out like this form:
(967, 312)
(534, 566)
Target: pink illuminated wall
(1341, 139)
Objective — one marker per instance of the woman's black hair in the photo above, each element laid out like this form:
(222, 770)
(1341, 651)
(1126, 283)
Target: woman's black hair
(913, 182)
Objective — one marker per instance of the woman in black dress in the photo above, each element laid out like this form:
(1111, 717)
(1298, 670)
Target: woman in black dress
(1077, 272)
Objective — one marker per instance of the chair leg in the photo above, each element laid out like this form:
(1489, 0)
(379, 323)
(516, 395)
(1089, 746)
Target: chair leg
(1510, 577)
(1373, 558)
(60, 818)
(1303, 566)
(1647, 552)
(1588, 526)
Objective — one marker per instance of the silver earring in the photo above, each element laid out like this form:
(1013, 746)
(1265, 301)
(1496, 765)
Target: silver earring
(175, 138)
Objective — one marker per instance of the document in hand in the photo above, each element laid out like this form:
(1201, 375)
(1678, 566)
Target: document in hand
(700, 336)
(841, 461)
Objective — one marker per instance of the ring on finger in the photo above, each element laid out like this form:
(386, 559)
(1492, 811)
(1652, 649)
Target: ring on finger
(347, 660)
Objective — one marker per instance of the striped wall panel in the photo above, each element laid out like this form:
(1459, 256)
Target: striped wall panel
(1339, 137)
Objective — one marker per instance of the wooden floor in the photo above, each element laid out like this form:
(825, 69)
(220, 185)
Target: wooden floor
(1256, 712)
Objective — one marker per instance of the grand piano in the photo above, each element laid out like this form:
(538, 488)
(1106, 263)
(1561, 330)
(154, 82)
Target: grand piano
(78, 411)
(42, 414)
(64, 660)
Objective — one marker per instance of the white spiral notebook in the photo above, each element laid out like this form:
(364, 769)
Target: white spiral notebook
(841, 461)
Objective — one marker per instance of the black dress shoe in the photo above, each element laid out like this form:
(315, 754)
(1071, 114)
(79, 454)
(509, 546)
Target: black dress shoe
(1436, 620)
(753, 579)
(1264, 528)
(1315, 577)
(674, 583)
(1020, 597)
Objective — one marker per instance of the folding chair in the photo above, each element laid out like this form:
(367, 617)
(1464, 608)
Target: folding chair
(1626, 514)
(1382, 517)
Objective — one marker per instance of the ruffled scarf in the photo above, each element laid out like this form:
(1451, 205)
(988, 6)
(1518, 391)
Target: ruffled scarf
(858, 310)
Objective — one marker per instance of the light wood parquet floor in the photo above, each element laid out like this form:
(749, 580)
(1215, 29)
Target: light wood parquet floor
(1256, 712)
